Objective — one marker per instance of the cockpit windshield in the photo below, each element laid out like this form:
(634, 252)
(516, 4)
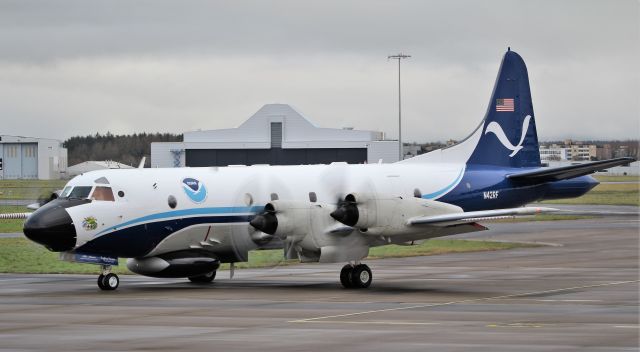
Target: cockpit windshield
(65, 192)
(81, 192)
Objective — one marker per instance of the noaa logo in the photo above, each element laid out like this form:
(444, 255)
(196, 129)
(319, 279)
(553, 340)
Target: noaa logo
(495, 128)
(195, 190)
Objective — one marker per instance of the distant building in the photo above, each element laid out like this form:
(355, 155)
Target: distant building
(573, 152)
(553, 153)
(621, 152)
(582, 152)
(604, 152)
(411, 150)
(32, 158)
(277, 135)
(87, 166)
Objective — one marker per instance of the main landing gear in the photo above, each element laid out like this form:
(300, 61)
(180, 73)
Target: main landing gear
(108, 281)
(355, 276)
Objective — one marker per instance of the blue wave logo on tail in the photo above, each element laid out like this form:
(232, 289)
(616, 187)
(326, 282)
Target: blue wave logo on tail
(194, 189)
(496, 129)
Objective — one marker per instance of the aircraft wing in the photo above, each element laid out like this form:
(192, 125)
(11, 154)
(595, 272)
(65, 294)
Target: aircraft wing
(564, 172)
(473, 216)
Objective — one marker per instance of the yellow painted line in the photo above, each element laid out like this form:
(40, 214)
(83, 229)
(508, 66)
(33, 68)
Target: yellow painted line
(462, 301)
(518, 325)
(370, 322)
(569, 300)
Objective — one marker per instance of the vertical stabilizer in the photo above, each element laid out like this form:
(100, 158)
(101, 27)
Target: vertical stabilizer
(509, 136)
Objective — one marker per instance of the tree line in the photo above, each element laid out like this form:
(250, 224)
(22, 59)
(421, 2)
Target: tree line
(127, 149)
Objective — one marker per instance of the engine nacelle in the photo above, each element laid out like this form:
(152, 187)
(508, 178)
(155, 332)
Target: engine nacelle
(283, 218)
(370, 211)
(175, 264)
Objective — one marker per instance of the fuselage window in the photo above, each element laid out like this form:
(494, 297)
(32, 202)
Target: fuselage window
(103, 193)
(312, 197)
(81, 192)
(274, 196)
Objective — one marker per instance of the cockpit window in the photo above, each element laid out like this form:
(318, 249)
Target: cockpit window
(103, 193)
(65, 192)
(81, 192)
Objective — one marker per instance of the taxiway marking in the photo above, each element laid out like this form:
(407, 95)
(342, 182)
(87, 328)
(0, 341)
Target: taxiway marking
(315, 319)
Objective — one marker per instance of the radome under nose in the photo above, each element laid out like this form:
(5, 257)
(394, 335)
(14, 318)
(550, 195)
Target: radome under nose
(52, 227)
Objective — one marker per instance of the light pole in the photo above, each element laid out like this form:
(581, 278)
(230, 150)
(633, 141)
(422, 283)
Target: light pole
(399, 57)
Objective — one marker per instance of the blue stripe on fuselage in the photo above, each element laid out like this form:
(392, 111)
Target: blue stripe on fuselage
(446, 189)
(184, 213)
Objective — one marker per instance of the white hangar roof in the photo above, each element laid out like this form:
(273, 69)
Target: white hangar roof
(297, 132)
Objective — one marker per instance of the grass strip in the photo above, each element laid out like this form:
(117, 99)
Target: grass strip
(18, 255)
(606, 194)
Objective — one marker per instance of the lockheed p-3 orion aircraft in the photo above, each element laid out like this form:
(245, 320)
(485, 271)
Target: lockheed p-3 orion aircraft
(184, 222)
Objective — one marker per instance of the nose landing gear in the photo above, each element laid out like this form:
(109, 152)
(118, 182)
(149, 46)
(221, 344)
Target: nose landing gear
(108, 281)
(356, 276)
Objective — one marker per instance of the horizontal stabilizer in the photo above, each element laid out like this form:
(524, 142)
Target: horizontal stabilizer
(565, 172)
(472, 216)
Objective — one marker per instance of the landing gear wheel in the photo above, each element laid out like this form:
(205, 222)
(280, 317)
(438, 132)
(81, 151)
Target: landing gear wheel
(345, 276)
(100, 278)
(208, 277)
(361, 276)
(109, 282)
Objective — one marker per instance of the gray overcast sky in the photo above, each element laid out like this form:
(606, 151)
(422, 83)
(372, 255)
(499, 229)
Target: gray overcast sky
(79, 67)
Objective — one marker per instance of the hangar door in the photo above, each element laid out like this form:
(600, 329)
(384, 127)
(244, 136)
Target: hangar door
(20, 160)
(275, 156)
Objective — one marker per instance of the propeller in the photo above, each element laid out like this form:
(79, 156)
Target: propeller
(266, 222)
(347, 211)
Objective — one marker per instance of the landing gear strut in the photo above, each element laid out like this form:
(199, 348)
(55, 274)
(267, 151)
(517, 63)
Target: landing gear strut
(356, 276)
(108, 281)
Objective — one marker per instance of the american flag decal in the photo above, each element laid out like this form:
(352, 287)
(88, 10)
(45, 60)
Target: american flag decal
(504, 105)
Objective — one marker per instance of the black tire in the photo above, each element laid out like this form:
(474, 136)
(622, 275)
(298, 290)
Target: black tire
(110, 282)
(206, 278)
(345, 276)
(361, 276)
(100, 278)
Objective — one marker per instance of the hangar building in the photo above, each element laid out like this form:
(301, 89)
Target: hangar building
(277, 135)
(32, 158)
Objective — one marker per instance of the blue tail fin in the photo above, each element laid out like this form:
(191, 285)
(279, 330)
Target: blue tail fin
(509, 136)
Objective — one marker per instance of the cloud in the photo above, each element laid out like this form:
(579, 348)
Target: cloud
(77, 67)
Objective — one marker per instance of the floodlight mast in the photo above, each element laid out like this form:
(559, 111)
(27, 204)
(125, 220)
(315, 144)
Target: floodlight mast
(399, 57)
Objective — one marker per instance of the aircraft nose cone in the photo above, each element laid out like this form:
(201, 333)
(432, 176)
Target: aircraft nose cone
(52, 227)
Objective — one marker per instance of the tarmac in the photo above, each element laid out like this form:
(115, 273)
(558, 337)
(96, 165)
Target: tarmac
(577, 291)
